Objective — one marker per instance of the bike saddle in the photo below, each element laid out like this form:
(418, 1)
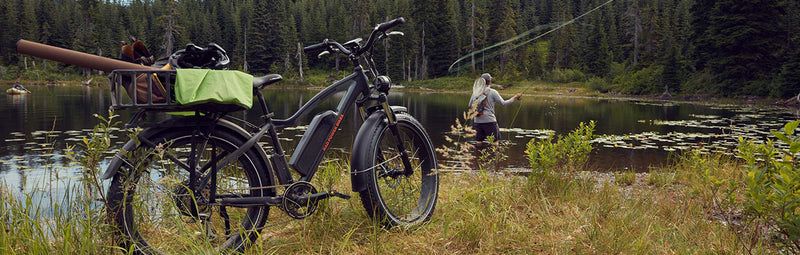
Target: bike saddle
(261, 82)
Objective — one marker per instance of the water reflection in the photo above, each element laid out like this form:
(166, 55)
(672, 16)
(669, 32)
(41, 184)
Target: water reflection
(634, 134)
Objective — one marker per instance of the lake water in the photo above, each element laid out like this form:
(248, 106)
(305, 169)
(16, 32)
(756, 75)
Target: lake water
(636, 135)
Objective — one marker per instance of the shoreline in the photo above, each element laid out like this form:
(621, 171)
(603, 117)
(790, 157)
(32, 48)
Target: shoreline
(539, 90)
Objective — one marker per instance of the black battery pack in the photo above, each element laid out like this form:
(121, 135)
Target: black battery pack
(311, 148)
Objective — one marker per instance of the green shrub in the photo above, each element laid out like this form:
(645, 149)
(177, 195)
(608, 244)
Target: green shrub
(773, 183)
(565, 75)
(599, 84)
(643, 81)
(567, 153)
(9, 72)
(460, 83)
(698, 83)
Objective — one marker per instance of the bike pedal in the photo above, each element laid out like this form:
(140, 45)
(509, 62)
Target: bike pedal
(337, 194)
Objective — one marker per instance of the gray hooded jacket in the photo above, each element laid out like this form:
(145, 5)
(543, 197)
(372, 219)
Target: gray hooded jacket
(492, 97)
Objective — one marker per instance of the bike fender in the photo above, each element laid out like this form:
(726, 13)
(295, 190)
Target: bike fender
(120, 158)
(358, 177)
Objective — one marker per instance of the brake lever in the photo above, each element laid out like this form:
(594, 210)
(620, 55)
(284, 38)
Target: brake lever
(322, 54)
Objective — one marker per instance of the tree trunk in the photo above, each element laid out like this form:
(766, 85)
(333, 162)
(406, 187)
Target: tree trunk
(169, 28)
(287, 63)
(472, 35)
(244, 54)
(634, 12)
(409, 69)
(421, 68)
(300, 60)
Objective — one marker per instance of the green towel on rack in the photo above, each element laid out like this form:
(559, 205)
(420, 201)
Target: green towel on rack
(197, 86)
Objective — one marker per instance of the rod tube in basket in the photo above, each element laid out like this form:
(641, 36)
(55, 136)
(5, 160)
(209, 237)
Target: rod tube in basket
(74, 57)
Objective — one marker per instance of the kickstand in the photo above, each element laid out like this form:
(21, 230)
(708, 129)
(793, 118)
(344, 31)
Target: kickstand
(223, 212)
(205, 220)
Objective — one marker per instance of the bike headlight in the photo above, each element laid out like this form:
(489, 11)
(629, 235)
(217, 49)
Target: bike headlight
(382, 83)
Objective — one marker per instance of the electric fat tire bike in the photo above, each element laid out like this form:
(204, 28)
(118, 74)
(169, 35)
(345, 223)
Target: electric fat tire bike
(205, 179)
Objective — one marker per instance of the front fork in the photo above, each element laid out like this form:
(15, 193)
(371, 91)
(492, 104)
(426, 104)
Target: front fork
(392, 121)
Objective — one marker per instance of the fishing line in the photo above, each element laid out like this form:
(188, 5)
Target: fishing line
(558, 25)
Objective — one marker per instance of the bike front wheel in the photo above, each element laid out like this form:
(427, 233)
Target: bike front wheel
(394, 195)
(156, 210)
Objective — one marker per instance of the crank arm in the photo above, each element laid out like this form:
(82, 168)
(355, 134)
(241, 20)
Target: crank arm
(305, 200)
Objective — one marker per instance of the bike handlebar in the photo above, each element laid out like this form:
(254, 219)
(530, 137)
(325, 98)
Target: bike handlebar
(327, 44)
(379, 29)
(383, 27)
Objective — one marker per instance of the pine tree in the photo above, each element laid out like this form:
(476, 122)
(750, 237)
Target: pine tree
(434, 26)
(168, 23)
(502, 26)
(28, 22)
(597, 56)
(789, 77)
(268, 40)
(561, 43)
(9, 31)
(702, 43)
(441, 36)
(744, 37)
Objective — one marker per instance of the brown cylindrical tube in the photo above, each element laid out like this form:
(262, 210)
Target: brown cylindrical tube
(74, 57)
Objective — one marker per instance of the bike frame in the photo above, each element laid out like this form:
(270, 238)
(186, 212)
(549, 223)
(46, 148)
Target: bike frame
(357, 88)
(358, 93)
(312, 146)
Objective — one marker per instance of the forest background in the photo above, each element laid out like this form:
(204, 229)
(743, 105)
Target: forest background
(721, 47)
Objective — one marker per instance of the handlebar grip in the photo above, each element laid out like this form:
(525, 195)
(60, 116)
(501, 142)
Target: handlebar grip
(316, 47)
(390, 24)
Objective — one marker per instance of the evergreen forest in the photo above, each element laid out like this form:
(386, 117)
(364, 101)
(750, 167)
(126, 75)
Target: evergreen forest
(720, 47)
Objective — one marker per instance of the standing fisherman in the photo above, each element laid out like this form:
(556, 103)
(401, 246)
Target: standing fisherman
(482, 101)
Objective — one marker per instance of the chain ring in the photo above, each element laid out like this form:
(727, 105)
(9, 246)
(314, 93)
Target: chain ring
(296, 209)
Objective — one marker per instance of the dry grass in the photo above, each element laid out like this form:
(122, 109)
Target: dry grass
(477, 213)
(480, 213)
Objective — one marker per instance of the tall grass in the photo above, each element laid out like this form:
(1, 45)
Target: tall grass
(30, 224)
(484, 213)
(478, 212)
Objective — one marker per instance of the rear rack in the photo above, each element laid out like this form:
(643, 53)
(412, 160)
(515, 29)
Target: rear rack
(152, 90)
(146, 89)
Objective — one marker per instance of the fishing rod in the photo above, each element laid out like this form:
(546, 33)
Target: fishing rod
(518, 108)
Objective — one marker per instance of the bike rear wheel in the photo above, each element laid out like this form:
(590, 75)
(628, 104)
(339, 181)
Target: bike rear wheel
(395, 197)
(155, 210)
